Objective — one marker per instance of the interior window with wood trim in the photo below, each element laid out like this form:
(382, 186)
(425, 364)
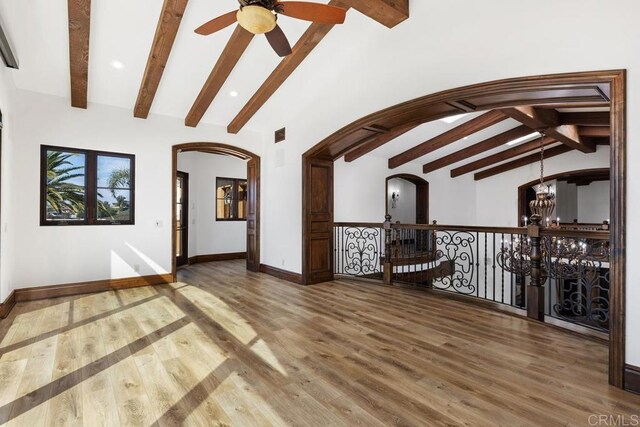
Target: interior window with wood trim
(231, 199)
(86, 187)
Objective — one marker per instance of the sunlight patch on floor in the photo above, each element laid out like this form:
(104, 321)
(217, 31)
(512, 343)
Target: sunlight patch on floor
(218, 311)
(261, 348)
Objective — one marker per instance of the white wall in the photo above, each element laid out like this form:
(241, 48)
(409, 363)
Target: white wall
(566, 201)
(206, 235)
(359, 189)
(67, 254)
(593, 202)
(405, 208)
(7, 102)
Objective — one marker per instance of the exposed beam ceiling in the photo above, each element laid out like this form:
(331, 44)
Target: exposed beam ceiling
(552, 152)
(79, 26)
(377, 141)
(598, 118)
(309, 40)
(453, 135)
(501, 156)
(387, 12)
(166, 31)
(231, 54)
(480, 147)
(548, 120)
(595, 131)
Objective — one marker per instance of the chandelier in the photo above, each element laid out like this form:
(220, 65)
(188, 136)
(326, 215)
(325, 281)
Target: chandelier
(544, 203)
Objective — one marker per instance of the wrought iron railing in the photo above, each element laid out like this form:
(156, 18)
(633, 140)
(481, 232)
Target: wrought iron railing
(462, 259)
(577, 269)
(358, 249)
(567, 270)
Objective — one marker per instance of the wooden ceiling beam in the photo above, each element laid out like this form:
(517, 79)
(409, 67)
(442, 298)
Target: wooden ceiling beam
(230, 56)
(568, 135)
(501, 156)
(474, 150)
(548, 121)
(472, 126)
(590, 118)
(534, 117)
(376, 141)
(79, 28)
(595, 131)
(533, 158)
(387, 12)
(166, 31)
(309, 40)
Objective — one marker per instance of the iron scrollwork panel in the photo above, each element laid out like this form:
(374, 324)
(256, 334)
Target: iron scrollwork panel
(579, 277)
(362, 251)
(457, 247)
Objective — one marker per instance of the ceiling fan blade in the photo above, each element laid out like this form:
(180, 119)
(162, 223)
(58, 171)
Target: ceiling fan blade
(217, 24)
(315, 12)
(278, 41)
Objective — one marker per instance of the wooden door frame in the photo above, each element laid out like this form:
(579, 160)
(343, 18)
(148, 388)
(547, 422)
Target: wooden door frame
(225, 150)
(424, 199)
(185, 213)
(553, 89)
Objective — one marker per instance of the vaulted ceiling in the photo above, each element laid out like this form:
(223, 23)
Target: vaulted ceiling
(145, 56)
(122, 30)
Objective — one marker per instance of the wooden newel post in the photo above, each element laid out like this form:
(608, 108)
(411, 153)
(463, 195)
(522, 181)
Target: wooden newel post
(535, 290)
(387, 267)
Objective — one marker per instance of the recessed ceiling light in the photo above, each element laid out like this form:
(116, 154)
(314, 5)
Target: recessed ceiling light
(452, 119)
(525, 138)
(118, 65)
(233, 93)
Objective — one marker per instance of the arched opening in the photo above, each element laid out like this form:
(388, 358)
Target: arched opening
(252, 197)
(407, 199)
(583, 89)
(579, 183)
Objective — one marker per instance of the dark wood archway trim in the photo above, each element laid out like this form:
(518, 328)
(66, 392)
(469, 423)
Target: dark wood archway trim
(253, 205)
(594, 88)
(422, 196)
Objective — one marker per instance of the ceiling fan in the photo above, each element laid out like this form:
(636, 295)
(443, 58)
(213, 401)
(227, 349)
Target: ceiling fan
(260, 16)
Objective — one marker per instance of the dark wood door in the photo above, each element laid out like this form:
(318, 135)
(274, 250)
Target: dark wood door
(317, 232)
(182, 218)
(253, 215)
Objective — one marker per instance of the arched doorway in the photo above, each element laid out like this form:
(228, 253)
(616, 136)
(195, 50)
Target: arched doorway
(582, 89)
(253, 195)
(578, 177)
(419, 197)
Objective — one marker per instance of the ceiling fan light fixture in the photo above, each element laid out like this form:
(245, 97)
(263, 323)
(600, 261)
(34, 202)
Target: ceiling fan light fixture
(256, 19)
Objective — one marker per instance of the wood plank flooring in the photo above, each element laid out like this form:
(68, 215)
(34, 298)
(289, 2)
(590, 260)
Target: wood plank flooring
(227, 347)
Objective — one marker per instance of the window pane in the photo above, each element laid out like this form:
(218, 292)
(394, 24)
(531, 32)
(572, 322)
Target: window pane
(114, 204)
(65, 192)
(223, 210)
(114, 172)
(224, 198)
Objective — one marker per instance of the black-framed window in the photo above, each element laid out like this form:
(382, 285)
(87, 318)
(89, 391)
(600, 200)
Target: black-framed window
(231, 199)
(86, 187)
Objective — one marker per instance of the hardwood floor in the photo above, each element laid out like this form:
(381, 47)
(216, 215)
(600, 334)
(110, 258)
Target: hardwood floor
(229, 347)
